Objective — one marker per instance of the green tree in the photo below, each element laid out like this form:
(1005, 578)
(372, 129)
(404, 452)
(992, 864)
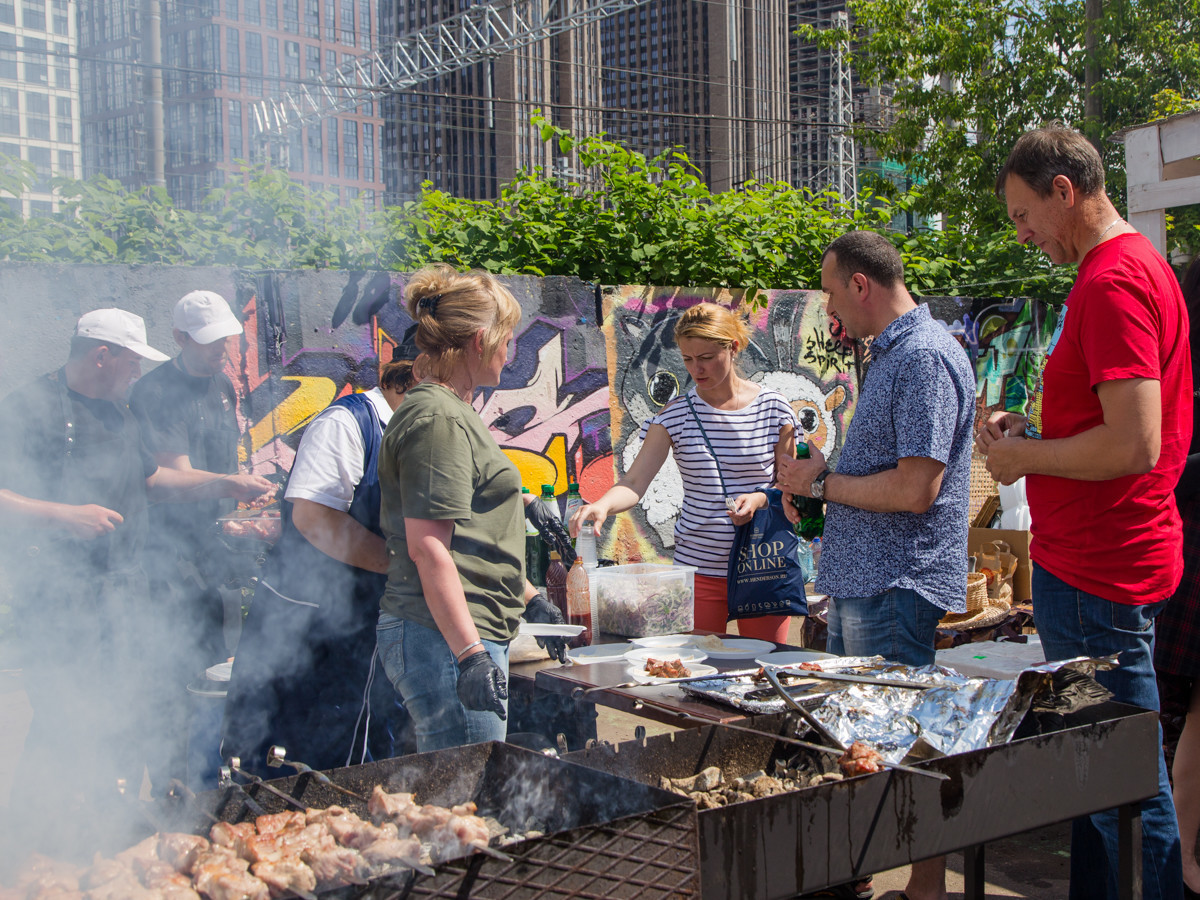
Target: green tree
(970, 76)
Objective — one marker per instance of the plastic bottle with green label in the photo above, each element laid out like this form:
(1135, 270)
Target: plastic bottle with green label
(534, 570)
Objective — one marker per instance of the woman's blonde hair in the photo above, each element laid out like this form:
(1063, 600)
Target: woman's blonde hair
(449, 307)
(710, 322)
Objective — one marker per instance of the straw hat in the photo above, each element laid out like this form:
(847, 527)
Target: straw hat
(982, 610)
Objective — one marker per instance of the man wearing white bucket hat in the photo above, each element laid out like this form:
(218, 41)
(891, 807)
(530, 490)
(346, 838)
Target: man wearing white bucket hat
(186, 410)
(75, 482)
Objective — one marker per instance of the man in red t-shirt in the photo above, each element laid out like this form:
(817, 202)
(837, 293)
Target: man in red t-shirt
(1103, 445)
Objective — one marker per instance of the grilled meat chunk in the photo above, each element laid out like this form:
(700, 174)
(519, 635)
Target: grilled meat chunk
(859, 759)
(286, 874)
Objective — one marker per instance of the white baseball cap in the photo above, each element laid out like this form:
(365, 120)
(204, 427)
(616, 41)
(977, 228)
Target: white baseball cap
(116, 326)
(206, 317)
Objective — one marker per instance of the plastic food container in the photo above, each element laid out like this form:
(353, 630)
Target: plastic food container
(646, 599)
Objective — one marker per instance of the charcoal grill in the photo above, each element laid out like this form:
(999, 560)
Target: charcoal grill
(835, 833)
(605, 837)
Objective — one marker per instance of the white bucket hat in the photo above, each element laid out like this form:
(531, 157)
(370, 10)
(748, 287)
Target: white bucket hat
(205, 317)
(116, 326)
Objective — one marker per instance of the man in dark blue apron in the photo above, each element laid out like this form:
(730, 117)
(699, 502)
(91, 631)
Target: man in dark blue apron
(305, 672)
(75, 480)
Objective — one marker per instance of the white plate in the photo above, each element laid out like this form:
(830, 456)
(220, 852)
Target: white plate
(737, 648)
(686, 655)
(638, 674)
(219, 672)
(539, 630)
(598, 653)
(791, 657)
(666, 640)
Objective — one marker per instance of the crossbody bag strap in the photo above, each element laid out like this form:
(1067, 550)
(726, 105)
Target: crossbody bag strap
(707, 443)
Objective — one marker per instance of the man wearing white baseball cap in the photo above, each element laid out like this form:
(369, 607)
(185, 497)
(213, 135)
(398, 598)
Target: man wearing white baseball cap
(75, 485)
(186, 409)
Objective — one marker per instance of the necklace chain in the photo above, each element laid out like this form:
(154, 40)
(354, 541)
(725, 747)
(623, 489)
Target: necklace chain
(1111, 225)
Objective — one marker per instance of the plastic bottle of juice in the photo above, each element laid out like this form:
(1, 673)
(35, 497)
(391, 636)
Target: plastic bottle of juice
(556, 583)
(585, 543)
(574, 502)
(547, 500)
(579, 604)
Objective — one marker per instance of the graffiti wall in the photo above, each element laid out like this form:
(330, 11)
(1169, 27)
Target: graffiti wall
(589, 364)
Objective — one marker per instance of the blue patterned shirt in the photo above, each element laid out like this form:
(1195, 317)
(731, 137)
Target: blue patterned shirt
(918, 399)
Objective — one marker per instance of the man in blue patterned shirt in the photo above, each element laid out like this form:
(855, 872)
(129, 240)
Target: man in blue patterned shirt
(894, 559)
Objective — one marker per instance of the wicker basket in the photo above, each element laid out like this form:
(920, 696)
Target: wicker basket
(983, 486)
(977, 592)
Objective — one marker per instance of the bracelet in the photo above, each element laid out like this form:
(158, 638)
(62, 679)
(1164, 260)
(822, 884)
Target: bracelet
(470, 646)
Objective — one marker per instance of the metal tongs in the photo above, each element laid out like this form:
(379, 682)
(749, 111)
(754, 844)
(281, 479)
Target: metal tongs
(660, 682)
(277, 757)
(225, 779)
(835, 745)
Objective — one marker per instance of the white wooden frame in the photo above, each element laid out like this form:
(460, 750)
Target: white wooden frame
(1162, 169)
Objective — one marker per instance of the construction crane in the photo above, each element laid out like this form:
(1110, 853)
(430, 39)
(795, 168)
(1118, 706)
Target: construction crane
(484, 31)
(843, 176)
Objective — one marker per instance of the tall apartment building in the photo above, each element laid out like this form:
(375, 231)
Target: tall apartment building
(811, 71)
(39, 79)
(470, 131)
(219, 56)
(709, 77)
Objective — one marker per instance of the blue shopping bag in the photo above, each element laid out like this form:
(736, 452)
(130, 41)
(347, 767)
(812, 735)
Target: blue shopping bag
(765, 577)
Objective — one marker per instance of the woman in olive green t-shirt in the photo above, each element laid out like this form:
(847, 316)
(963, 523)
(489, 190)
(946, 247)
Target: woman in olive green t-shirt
(452, 515)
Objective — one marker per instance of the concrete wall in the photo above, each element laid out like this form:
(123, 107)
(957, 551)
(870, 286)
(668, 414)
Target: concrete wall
(590, 363)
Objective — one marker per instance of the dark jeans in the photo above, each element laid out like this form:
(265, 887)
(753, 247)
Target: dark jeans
(1073, 623)
(900, 625)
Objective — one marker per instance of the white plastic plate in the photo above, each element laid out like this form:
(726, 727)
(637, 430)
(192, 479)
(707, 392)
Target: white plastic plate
(736, 648)
(686, 655)
(666, 640)
(791, 657)
(638, 674)
(598, 653)
(539, 630)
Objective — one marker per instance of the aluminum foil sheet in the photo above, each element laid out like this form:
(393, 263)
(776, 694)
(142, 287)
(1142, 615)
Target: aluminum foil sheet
(955, 714)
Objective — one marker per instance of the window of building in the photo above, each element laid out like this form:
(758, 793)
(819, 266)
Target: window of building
(330, 29)
(60, 16)
(368, 152)
(347, 22)
(332, 146)
(8, 55)
(62, 66)
(40, 157)
(291, 16)
(10, 112)
(315, 157)
(33, 14)
(234, 111)
(233, 60)
(66, 163)
(364, 24)
(350, 148)
(291, 60)
(13, 150)
(231, 9)
(37, 116)
(36, 70)
(271, 13)
(254, 61)
(312, 55)
(296, 150)
(253, 12)
(312, 15)
(330, 60)
(8, 12)
(41, 209)
(64, 114)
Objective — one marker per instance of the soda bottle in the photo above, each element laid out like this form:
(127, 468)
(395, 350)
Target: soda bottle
(574, 502)
(556, 583)
(551, 505)
(586, 545)
(812, 510)
(535, 571)
(579, 603)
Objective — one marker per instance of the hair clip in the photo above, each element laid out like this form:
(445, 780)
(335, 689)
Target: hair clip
(429, 303)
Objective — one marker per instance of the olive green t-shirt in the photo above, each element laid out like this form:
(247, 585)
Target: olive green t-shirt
(438, 461)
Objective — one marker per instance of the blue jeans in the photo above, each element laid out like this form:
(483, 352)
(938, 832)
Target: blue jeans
(898, 625)
(1073, 623)
(421, 667)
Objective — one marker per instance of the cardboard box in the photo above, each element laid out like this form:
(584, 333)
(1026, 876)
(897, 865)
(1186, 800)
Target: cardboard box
(1018, 542)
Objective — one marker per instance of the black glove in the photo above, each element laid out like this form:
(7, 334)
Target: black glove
(552, 532)
(540, 610)
(481, 684)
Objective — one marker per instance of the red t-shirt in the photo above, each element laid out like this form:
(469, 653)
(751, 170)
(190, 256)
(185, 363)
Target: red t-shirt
(1124, 318)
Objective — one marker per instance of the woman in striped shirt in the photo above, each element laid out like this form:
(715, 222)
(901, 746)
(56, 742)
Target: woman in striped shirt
(747, 425)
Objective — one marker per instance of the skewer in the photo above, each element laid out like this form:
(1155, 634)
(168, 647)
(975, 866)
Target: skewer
(277, 756)
(177, 787)
(235, 765)
(225, 780)
(808, 745)
(582, 692)
(857, 679)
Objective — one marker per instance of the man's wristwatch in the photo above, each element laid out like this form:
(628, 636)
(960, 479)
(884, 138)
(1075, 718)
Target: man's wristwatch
(818, 486)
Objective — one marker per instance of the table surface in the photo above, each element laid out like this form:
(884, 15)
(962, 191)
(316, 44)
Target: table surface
(669, 700)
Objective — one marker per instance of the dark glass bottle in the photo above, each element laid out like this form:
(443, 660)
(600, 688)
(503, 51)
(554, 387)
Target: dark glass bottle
(535, 570)
(812, 510)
